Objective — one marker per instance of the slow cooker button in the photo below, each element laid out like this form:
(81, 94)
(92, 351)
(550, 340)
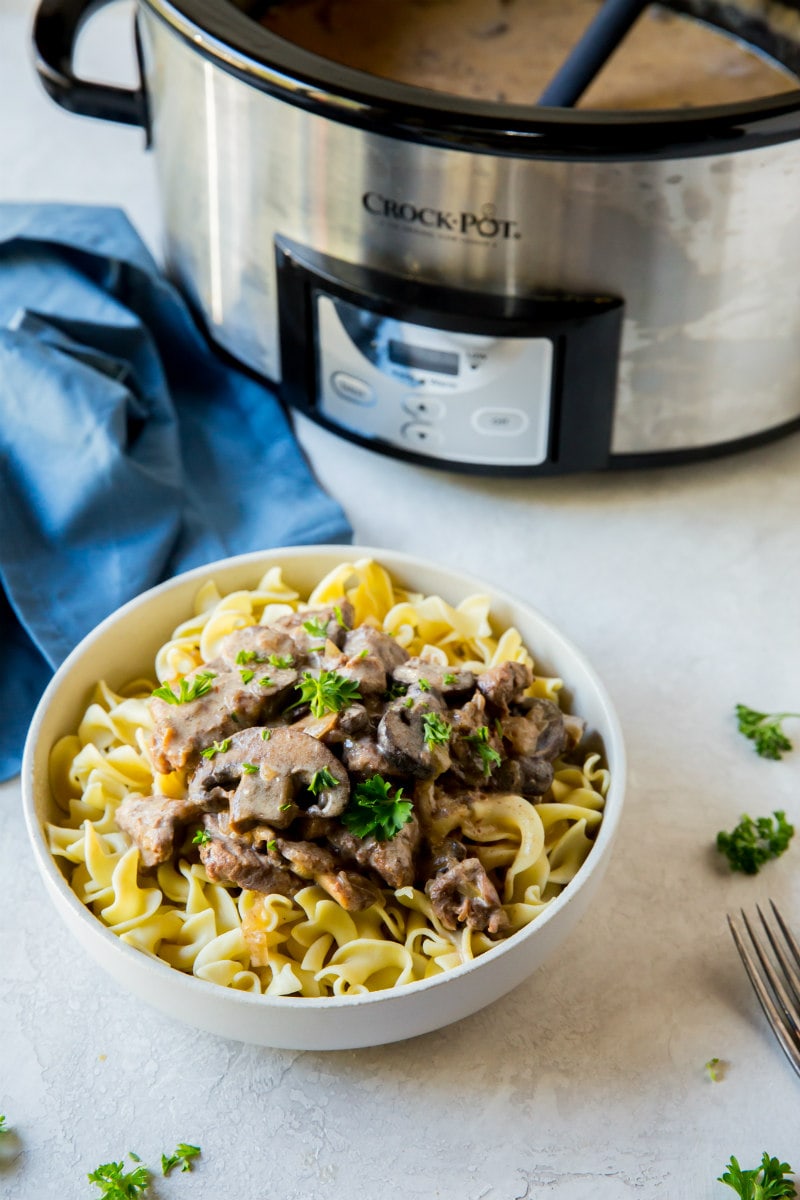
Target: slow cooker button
(421, 435)
(427, 407)
(350, 387)
(502, 422)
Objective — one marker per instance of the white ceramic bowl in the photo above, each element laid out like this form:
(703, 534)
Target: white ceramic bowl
(123, 647)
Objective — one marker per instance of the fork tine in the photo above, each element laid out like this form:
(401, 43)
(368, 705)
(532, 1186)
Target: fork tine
(788, 1043)
(787, 933)
(785, 1000)
(789, 972)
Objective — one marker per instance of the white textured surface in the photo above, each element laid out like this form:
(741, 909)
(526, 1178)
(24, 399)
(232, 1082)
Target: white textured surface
(587, 1083)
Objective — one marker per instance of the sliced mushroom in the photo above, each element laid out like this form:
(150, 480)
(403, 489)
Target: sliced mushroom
(452, 683)
(267, 776)
(401, 737)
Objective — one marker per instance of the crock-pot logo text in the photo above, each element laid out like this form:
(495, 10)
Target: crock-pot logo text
(483, 224)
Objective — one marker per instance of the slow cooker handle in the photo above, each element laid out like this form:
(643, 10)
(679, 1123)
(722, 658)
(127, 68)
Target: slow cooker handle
(55, 33)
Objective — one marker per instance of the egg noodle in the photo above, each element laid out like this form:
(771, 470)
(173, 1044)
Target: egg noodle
(307, 945)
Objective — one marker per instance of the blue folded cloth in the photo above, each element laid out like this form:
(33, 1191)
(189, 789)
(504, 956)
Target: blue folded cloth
(128, 450)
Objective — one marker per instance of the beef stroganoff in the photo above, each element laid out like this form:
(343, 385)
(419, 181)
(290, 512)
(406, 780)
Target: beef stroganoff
(326, 795)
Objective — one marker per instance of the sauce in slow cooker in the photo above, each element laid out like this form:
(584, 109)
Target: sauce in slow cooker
(508, 50)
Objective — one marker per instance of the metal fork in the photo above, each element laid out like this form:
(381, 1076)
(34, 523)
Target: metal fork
(781, 1003)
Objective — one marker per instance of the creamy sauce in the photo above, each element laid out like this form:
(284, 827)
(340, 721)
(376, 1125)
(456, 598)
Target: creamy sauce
(508, 50)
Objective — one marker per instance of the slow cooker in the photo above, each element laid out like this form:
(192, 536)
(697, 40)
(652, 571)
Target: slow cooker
(482, 286)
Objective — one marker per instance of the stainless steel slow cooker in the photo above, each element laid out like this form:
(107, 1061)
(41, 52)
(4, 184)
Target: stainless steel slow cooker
(487, 287)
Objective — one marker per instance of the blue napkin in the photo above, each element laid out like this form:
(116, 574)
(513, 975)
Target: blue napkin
(128, 450)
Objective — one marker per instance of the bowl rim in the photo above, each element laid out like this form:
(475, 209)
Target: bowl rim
(174, 978)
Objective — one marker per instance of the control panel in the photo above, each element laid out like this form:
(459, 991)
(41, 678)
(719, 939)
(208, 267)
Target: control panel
(464, 397)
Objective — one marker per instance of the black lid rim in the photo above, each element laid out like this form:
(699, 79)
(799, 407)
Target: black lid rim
(239, 45)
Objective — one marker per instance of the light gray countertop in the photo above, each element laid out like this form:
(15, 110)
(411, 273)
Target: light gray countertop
(588, 1081)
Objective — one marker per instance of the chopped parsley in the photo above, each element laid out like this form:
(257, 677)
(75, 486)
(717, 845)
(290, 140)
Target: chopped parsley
(752, 843)
(423, 684)
(489, 756)
(765, 730)
(340, 621)
(216, 748)
(201, 837)
(248, 656)
(408, 702)
(118, 1184)
(711, 1067)
(321, 780)
(327, 692)
(449, 678)
(188, 689)
(182, 1158)
(250, 768)
(395, 690)
(765, 1182)
(266, 734)
(282, 662)
(287, 806)
(374, 811)
(436, 729)
(272, 845)
(316, 628)
(265, 681)
(247, 673)
(3, 1127)
(363, 653)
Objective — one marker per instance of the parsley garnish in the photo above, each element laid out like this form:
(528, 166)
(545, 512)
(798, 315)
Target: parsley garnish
(765, 730)
(408, 702)
(199, 686)
(266, 734)
(479, 739)
(752, 843)
(215, 748)
(765, 1182)
(316, 628)
(285, 807)
(117, 1184)
(247, 674)
(273, 845)
(327, 692)
(248, 656)
(449, 678)
(337, 612)
(363, 653)
(373, 811)
(711, 1067)
(395, 690)
(321, 780)
(423, 684)
(282, 663)
(265, 681)
(201, 837)
(250, 768)
(182, 1157)
(3, 1127)
(437, 730)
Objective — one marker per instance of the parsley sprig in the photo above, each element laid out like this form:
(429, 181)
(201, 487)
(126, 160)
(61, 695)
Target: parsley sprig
(118, 1184)
(489, 756)
(752, 843)
(316, 628)
(327, 692)
(201, 837)
(765, 1182)
(187, 689)
(436, 730)
(281, 661)
(182, 1157)
(249, 656)
(765, 730)
(374, 811)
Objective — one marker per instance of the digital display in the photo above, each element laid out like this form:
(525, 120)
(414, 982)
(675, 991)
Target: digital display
(423, 358)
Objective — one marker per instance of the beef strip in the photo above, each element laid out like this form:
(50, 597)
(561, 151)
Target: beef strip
(471, 765)
(153, 823)
(182, 731)
(539, 733)
(228, 859)
(306, 641)
(262, 642)
(363, 758)
(453, 684)
(311, 861)
(523, 776)
(505, 684)
(379, 645)
(285, 763)
(394, 859)
(463, 894)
